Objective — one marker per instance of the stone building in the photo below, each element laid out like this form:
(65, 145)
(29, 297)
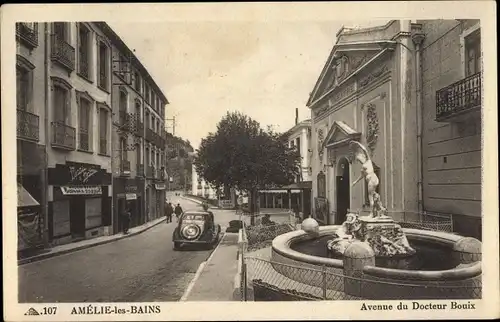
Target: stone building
(67, 94)
(31, 135)
(366, 92)
(296, 196)
(201, 188)
(450, 75)
(79, 121)
(139, 148)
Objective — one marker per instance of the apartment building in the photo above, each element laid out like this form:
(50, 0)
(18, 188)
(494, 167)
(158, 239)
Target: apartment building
(31, 135)
(139, 138)
(80, 110)
(451, 76)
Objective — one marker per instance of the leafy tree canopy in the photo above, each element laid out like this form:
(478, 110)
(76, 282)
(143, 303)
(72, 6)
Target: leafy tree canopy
(242, 155)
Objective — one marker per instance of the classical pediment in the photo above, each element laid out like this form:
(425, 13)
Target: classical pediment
(346, 59)
(340, 134)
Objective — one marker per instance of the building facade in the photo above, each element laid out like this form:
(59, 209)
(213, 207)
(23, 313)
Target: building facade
(296, 196)
(139, 145)
(70, 131)
(79, 157)
(31, 135)
(366, 92)
(201, 188)
(450, 72)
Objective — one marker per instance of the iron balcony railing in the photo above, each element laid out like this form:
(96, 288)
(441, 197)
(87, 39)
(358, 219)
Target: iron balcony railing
(27, 33)
(459, 97)
(125, 167)
(140, 170)
(62, 52)
(28, 126)
(63, 136)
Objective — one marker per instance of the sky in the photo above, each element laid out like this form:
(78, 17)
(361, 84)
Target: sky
(206, 68)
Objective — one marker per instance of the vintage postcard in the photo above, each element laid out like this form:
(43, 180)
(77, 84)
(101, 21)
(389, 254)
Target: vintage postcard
(250, 161)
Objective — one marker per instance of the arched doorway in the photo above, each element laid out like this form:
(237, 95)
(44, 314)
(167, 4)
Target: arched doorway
(343, 184)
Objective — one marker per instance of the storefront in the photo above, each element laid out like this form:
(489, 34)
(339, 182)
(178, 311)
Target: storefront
(79, 202)
(128, 192)
(295, 197)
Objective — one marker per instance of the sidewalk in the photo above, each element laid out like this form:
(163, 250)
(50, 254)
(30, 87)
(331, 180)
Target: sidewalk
(87, 243)
(214, 280)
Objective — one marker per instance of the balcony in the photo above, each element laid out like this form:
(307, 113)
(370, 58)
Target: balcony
(63, 136)
(28, 126)
(27, 33)
(140, 170)
(458, 100)
(125, 168)
(63, 53)
(160, 175)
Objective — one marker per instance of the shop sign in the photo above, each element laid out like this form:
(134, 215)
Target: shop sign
(78, 174)
(131, 189)
(160, 186)
(81, 190)
(130, 196)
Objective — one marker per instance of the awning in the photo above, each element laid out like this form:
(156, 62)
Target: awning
(130, 196)
(299, 185)
(24, 198)
(81, 190)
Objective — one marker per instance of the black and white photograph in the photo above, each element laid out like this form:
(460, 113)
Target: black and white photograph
(246, 158)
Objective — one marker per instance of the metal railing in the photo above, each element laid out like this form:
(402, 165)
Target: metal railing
(62, 52)
(460, 96)
(150, 135)
(63, 136)
(272, 281)
(28, 125)
(27, 33)
(425, 220)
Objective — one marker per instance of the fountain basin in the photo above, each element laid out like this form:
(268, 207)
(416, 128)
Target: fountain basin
(461, 280)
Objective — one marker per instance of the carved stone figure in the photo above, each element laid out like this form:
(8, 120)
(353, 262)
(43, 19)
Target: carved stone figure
(367, 171)
(345, 235)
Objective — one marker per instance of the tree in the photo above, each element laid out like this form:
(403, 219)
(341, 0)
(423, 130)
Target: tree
(240, 154)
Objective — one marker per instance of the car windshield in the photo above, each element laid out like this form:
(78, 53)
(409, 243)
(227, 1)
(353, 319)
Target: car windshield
(194, 217)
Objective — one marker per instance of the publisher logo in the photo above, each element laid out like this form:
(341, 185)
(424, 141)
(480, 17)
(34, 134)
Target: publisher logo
(32, 311)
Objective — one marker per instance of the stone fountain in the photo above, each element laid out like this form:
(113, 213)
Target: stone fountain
(379, 231)
(375, 247)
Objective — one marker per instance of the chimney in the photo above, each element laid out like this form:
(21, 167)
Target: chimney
(296, 116)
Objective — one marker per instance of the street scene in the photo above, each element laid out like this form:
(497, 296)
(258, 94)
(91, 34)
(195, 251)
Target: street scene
(235, 162)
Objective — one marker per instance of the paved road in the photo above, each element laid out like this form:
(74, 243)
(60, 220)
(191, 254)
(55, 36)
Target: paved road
(140, 268)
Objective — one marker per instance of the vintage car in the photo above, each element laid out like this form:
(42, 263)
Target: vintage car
(196, 228)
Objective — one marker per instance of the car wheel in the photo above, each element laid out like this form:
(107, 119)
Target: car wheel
(177, 246)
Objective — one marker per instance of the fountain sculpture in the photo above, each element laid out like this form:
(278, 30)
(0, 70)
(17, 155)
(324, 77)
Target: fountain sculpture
(378, 230)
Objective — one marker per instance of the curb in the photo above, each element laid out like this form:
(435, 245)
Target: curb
(199, 271)
(66, 251)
